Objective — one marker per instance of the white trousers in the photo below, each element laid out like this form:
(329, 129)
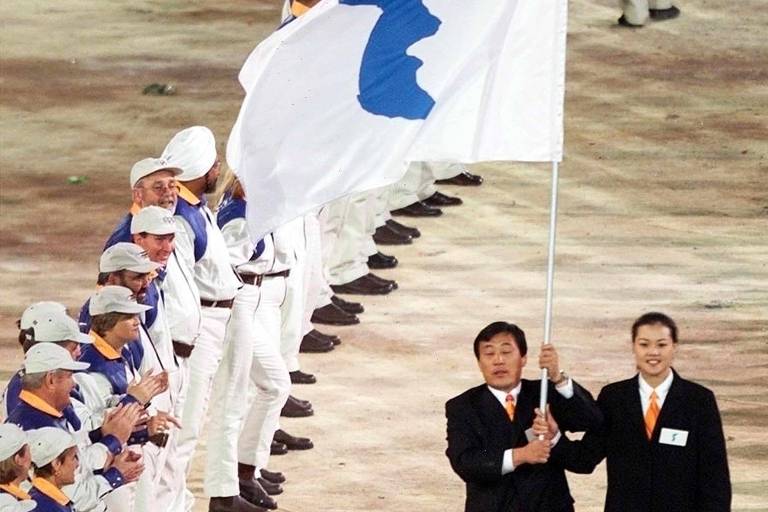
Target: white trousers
(344, 234)
(636, 11)
(148, 488)
(230, 391)
(347, 230)
(171, 488)
(292, 309)
(159, 486)
(123, 498)
(317, 292)
(269, 379)
(419, 182)
(203, 365)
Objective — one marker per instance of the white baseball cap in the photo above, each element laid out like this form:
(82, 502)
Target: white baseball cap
(51, 324)
(12, 438)
(144, 168)
(193, 150)
(153, 220)
(47, 443)
(39, 309)
(126, 256)
(115, 299)
(46, 357)
(9, 503)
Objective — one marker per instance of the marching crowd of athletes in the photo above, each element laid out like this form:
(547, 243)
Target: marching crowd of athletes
(191, 321)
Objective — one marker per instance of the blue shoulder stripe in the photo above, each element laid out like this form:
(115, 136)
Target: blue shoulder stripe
(122, 232)
(230, 210)
(195, 219)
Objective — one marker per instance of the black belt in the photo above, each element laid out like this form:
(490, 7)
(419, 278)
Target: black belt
(254, 279)
(227, 304)
(182, 349)
(257, 279)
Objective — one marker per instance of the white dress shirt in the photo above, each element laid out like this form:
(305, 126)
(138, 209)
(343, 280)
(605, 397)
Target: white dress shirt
(661, 391)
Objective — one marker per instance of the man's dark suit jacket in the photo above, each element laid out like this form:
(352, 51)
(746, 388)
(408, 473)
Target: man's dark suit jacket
(648, 476)
(479, 431)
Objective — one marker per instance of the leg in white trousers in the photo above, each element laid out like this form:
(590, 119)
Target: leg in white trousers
(229, 395)
(292, 310)
(406, 191)
(367, 245)
(419, 182)
(269, 378)
(317, 293)
(203, 364)
(161, 484)
(346, 229)
(380, 206)
(171, 488)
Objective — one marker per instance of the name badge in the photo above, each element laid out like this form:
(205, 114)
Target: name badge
(673, 437)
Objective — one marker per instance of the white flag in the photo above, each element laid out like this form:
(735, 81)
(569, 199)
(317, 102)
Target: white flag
(342, 98)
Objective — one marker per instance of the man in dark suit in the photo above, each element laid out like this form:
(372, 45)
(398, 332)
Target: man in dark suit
(491, 445)
(662, 437)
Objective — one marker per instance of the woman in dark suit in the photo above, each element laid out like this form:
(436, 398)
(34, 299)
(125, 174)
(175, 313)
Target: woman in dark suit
(662, 437)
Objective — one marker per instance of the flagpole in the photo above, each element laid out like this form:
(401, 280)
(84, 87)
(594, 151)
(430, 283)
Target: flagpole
(550, 281)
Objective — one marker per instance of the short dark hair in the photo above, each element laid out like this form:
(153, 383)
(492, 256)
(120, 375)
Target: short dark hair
(653, 318)
(9, 470)
(46, 470)
(491, 330)
(26, 338)
(102, 324)
(103, 277)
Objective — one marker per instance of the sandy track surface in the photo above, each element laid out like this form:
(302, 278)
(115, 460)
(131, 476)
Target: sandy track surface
(664, 205)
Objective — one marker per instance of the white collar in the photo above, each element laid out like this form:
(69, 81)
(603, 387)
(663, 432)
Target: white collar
(501, 396)
(661, 390)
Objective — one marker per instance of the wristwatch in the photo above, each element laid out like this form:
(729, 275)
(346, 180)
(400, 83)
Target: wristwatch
(562, 378)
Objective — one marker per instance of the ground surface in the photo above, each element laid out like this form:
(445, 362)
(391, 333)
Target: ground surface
(664, 205)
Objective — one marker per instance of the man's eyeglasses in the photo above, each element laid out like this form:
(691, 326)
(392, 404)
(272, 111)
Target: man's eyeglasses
(159, 187)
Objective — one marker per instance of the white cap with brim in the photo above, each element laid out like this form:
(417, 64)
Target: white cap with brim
(47, 357)
(115, 299)
(47, 443)
(38, 310)
(12, 438)
(153, 220)
(144, 168)
(126, 256)
(56, 326)
(193, 150)
(9, 503)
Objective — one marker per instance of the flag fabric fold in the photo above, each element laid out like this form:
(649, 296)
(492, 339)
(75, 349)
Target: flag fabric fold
(342, 98)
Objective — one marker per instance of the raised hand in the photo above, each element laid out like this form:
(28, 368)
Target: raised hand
(548, 359)
(161, 422)
(148, 387)
(129, 464)
(121, 420)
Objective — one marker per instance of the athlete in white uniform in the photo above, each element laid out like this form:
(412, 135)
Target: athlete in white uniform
(202, 247)
(263, 275)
